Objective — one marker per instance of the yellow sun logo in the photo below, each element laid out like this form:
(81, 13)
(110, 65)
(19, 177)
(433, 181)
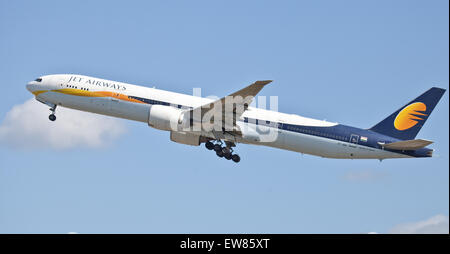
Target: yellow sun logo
(410, 116)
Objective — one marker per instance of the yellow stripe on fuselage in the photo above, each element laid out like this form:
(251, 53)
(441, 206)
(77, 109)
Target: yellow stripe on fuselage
(84, 93)
(36, 93)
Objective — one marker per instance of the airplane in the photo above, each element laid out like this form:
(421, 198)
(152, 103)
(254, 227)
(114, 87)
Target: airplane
(223, 123)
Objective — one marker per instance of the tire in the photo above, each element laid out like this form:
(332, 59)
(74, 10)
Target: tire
(217, 148)
(226, 150)
(52, 117)
(236, 158)
(209, 145)
(219, 153)
(227, 156)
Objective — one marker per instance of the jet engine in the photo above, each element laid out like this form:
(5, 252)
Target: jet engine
(165, 118)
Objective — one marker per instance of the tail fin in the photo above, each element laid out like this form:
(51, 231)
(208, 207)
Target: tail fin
(406, 122)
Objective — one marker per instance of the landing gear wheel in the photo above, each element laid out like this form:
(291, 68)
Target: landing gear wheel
(236, 158)
(52, 117)
(226, 150)
(209, 145)
(219, 153)
(227, 156)
(217, 148)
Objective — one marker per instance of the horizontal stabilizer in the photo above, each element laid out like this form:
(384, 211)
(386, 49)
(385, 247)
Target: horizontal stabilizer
(407, 144)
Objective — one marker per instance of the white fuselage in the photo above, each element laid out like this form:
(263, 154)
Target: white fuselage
(76, 92)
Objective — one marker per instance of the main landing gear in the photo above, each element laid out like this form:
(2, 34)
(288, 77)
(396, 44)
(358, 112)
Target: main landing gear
(52, 116)
(223, 151)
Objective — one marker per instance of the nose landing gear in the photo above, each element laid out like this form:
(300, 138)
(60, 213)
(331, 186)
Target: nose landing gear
(223, 151)
(52, 116)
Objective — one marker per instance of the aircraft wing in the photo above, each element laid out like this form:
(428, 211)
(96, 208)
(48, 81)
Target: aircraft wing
(230, 107)
(408, 144)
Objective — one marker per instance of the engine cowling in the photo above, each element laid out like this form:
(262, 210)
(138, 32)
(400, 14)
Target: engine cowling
(250, 134)
(165, 117)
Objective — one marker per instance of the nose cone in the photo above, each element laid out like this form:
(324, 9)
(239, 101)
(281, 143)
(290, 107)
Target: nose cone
(33, 87)
(29, 86)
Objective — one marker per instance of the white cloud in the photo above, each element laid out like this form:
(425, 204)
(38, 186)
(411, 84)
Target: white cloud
(437, 224)
(27, 126)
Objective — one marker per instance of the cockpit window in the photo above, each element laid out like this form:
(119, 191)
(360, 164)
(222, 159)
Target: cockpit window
(38, 80)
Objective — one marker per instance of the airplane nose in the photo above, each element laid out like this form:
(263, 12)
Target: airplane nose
(29, 86)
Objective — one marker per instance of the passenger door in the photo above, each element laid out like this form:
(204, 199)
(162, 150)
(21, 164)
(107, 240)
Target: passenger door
(354, 139)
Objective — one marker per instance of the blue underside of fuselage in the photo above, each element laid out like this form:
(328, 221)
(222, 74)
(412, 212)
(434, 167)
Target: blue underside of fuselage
(338, 132)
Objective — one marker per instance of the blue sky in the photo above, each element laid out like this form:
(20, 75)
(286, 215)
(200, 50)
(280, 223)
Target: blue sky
(352, 62)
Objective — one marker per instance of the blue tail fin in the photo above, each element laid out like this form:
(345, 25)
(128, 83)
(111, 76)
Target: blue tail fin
(406, 122)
